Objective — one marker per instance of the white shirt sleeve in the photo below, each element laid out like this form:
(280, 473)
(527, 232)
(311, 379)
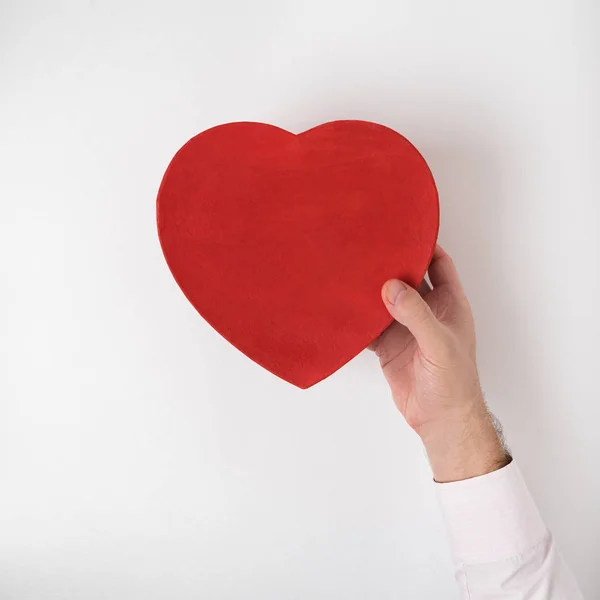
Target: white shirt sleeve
(501, 547)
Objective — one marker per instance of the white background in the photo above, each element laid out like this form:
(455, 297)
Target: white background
(142, 457)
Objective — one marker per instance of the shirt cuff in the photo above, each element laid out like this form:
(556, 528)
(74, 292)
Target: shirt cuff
(491, 517)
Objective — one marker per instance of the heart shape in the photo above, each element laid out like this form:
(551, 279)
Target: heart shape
(282, 242)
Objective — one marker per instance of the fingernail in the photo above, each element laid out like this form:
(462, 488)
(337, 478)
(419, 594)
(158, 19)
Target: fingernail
(393, 290)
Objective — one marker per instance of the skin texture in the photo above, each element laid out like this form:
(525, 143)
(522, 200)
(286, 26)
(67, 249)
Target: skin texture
(428, 358)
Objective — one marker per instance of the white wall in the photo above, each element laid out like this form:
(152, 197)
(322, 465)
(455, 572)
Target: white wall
(143, 457)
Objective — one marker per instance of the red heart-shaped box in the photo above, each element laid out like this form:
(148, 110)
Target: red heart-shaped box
(282, 242)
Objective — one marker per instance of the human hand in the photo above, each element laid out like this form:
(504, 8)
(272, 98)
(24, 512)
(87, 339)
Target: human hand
(428, 358)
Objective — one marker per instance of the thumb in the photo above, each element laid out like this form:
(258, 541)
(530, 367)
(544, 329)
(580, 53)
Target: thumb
(407, 306)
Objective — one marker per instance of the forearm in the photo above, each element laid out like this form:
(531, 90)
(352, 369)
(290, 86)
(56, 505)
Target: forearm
(469, 446)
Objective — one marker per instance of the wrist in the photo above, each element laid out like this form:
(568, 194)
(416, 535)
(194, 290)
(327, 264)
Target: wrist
(467, 447)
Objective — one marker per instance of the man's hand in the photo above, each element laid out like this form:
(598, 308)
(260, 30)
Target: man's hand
(428, 358)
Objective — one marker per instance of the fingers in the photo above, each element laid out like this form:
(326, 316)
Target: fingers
(407, 306)
(424, 289)
(442, 269)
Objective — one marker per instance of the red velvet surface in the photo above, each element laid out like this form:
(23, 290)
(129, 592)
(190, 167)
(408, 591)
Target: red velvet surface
(282, 242)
